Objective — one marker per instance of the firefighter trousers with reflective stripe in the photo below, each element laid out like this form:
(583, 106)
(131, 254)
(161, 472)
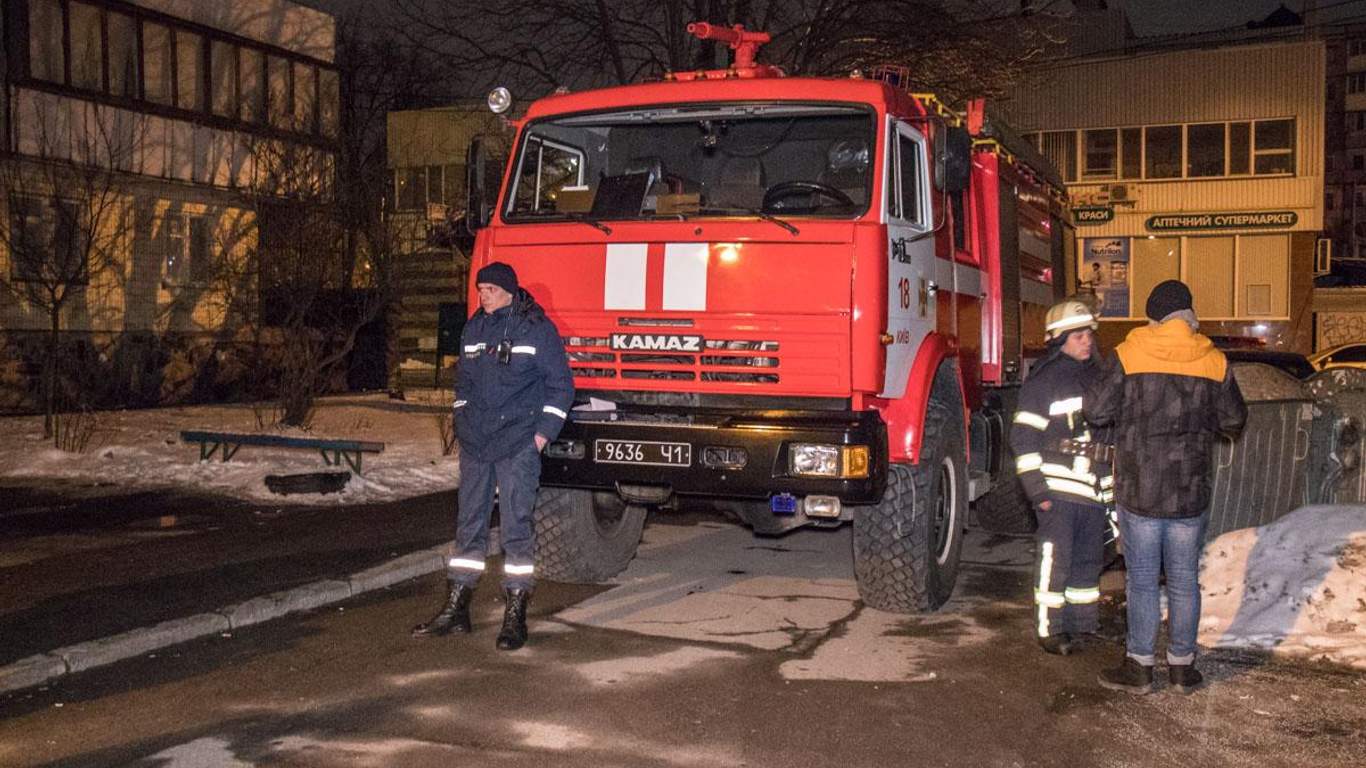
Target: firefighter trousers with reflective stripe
(1071, 543)
(516, 479)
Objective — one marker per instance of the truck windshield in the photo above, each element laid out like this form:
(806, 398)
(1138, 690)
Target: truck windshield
(688, 161)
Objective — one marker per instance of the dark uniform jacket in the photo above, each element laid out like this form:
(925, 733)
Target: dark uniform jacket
(501, 406)
(1169, 393)
(1049, 412)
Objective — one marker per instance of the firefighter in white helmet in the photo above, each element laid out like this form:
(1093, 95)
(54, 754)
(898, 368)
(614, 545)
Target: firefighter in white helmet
(1065, 470)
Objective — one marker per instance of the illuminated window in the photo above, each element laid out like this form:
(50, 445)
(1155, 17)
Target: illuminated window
(45, 57)
(1099, 154)
(156, 63)
(1205, 150)
(87, 47)
(1274, 147)
(123, 55)
(251, 85)
(1162, 150)
(223, 78)
(189, 70)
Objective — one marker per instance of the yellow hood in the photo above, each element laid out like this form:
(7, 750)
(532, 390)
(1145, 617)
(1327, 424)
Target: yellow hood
(1173, 348)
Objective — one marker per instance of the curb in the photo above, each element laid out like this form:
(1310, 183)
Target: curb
(43, 667)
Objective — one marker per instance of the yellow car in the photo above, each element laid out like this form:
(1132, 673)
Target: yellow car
(1351, 355)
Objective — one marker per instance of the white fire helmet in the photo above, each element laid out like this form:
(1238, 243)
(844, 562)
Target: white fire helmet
(1066, 316)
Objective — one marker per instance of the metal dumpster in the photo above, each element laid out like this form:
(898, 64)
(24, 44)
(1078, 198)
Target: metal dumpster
(1300, 446)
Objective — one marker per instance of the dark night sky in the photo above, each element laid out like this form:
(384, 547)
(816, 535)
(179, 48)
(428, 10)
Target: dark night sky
(1156, 17)
(1148, 17)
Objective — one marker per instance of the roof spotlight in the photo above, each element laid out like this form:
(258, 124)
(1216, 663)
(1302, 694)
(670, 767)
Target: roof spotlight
(500, 100)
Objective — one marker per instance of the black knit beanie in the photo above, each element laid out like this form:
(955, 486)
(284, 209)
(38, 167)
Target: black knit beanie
(1167, 297)
(499, 274)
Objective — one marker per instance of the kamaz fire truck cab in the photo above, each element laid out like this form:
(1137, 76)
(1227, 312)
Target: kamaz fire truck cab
(799, 298)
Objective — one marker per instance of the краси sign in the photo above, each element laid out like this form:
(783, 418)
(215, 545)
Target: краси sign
(656, 342)
(1250, 220)
(1093, 214)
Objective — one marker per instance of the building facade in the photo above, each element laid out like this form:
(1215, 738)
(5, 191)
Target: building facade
(427, 151)
(1202, 164)
(139, 136)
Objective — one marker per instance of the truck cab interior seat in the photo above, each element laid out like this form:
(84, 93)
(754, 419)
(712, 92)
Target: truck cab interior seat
(740, 183)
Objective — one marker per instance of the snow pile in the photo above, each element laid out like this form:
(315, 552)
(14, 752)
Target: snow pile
(142, 449)
(1296, 586)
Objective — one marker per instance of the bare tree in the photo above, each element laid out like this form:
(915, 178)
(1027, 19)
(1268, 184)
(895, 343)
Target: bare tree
(67, 217)
(317, 275)
(321, 268)
(956, 48)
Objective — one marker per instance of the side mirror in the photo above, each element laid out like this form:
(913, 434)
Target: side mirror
(476, 193)
(952, 160)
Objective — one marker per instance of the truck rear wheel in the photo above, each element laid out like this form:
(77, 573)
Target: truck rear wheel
(584, 537)
(1005, 508)
(906, 547)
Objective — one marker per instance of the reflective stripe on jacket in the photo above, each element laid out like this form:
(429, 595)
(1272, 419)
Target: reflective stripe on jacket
(501, 406)
(1050, 411)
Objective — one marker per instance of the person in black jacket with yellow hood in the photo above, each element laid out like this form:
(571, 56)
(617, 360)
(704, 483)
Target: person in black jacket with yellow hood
(1064, 469)
(513, 392)
(1169, 393)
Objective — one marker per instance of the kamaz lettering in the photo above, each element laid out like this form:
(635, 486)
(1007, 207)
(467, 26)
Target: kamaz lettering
(656, 343)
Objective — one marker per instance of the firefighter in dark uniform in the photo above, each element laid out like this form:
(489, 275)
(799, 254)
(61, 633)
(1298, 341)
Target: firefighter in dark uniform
(1065, 471)
(513, 392)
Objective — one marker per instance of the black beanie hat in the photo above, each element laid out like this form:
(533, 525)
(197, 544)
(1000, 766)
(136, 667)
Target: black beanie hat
(499, 274)
(1167, 297)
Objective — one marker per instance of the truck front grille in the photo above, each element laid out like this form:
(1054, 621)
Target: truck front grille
(592, 357)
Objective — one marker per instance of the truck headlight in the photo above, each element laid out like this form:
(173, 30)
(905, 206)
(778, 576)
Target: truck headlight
(816, 460)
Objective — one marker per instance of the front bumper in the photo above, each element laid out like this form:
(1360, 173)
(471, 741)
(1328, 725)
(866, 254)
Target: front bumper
(763, 435)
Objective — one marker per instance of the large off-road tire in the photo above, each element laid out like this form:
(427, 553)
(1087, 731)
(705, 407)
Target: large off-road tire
(1005, 508)
(906, 548)
(584, 537)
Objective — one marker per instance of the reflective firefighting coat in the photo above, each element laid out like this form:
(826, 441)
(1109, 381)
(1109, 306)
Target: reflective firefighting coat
(1049, 413)
(503, 400)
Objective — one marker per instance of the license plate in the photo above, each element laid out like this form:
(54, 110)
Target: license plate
(642, 452)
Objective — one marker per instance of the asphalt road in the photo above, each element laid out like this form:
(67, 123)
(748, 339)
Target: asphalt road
(714, 649)
(79, 563)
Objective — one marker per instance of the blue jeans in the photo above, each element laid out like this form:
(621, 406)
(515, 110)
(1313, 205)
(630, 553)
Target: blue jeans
(516, 479)
(1152, 545)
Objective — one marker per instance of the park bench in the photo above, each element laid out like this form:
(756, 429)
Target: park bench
(333, 451)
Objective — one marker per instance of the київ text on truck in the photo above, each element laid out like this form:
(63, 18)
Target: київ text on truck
(807, 300)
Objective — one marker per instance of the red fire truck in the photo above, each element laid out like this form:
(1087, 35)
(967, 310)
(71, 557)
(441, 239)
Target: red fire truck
(806, 300)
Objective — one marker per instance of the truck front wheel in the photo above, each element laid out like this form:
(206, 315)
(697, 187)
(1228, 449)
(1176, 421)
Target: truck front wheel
(584, 537)
(906, 547)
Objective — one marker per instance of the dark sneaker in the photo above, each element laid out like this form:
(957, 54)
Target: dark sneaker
(1184, 677)
(1058, 645)
(1129, 676)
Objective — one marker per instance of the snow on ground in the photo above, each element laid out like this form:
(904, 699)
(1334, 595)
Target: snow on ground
(142, 449)
(1296, 586)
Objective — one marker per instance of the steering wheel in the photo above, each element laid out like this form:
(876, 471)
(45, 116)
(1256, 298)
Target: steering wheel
(785, 189)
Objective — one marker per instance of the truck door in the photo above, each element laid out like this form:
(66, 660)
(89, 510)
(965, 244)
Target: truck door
(910, 253)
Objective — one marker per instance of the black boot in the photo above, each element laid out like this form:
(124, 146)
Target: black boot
(1184, 677)
(1129, 676)
(454, 615)
(1059, 645)
(513, 634)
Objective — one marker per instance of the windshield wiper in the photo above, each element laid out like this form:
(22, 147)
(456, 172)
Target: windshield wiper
(590, 221)
(765, 215)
